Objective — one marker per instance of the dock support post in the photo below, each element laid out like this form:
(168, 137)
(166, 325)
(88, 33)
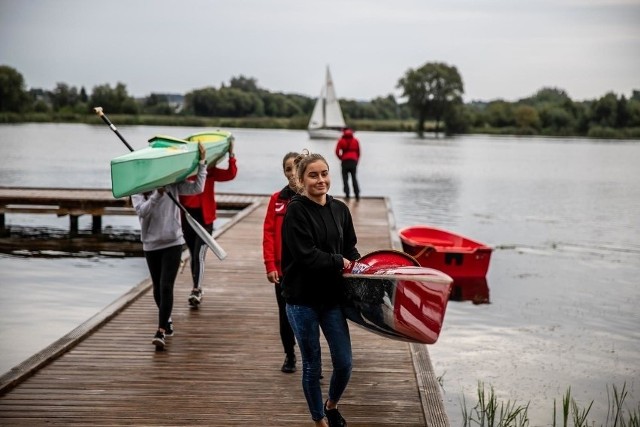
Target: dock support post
(73, 225)
(96, 225)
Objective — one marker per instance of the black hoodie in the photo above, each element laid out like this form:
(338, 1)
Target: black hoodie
(315, 239)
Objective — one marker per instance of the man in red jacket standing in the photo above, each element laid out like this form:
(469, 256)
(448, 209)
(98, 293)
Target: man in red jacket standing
(348, 151)
(202, 208)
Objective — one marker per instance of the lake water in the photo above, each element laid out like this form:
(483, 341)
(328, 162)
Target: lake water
(562, 214)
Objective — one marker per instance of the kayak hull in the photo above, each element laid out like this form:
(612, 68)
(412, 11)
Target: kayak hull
(165, 161)
(389, 294)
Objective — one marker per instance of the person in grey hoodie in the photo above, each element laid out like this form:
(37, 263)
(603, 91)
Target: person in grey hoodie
(162, 240)
(318, 243)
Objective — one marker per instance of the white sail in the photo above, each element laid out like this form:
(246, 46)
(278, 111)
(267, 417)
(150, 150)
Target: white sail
(326, 119)
(333, 113)
(317, 117)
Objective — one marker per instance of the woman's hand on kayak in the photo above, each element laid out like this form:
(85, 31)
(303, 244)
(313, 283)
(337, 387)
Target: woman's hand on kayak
(203, 152)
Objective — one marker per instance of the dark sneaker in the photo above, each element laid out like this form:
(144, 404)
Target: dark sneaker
(168, 330)
(196, 298)
(158, 340)
(289, 365)
(334, 417)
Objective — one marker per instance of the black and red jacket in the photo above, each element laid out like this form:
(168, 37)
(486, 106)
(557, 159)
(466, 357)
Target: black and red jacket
(272, 229)
(206, 201)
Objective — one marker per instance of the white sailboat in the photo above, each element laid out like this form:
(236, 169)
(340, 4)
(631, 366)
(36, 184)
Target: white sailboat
(326, 120)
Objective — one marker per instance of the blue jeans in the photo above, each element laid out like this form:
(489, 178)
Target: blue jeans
(306, 323)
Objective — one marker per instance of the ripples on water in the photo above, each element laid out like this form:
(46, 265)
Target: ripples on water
(563, 215)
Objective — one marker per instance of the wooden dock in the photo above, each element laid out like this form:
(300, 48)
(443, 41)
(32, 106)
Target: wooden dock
(222, 367)
(75, 203)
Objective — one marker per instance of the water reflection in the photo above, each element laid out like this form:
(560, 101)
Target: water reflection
(474, 289)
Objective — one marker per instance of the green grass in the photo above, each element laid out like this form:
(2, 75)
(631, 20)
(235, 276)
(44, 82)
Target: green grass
(489, 412)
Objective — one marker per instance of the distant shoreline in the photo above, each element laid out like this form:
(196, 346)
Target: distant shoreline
(294, 123)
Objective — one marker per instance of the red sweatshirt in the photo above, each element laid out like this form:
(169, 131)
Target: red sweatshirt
(207, 199)
(272, 229)
(348, 147)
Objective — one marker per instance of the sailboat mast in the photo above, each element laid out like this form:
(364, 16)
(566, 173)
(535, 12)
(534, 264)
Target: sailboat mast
(328, 85)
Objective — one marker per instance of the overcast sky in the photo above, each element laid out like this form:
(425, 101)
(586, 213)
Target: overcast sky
(505, 49)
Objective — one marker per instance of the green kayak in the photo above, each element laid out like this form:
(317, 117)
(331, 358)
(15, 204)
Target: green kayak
(165, 161)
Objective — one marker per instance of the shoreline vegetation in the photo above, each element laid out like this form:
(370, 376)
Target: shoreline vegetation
(490, 412)
(431, 102)
(300, 123)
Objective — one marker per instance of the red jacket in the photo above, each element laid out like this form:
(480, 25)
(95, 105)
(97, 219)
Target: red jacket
(348, 147)
(207, 199)
(272, 229)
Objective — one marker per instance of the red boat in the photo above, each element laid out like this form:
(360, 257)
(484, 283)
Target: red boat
(458, 256)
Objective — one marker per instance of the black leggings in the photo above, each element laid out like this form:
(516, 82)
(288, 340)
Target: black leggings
(163, 267)
(197, 247)
(286, 333)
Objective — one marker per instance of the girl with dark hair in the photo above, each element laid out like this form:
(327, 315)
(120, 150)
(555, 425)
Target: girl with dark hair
(272, 250)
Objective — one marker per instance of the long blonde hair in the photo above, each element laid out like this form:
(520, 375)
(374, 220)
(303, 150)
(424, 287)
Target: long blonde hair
(301, 162)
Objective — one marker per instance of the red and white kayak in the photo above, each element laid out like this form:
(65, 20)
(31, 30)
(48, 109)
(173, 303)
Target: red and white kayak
(390, 294)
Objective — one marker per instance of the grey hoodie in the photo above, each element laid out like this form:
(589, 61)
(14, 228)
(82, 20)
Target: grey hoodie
(160, 223)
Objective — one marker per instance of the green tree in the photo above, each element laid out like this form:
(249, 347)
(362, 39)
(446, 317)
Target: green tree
(64, 96)
(457, 119)
(115, 100)
(13, 96)
(499, 114)
(157, 104)
(224, 102)
(548, 96)
(604, 110)
(430, 91)
(246, 84)
(623, 116)
(526, 117)
(386, 107)
(634, 112)
(557, 120)
(279, 105)
(83, 95)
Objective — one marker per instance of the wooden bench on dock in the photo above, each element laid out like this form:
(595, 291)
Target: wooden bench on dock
(222, 367)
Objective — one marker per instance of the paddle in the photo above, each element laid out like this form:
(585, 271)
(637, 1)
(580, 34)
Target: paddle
(199, 229)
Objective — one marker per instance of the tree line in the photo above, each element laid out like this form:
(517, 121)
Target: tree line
(431, 101)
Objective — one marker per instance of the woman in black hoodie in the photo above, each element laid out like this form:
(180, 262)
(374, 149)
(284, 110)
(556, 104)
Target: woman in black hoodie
(318, 242)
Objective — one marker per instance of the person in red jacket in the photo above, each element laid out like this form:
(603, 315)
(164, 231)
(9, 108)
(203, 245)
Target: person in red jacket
(348, 151)
(202, 208)
(272, 254)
